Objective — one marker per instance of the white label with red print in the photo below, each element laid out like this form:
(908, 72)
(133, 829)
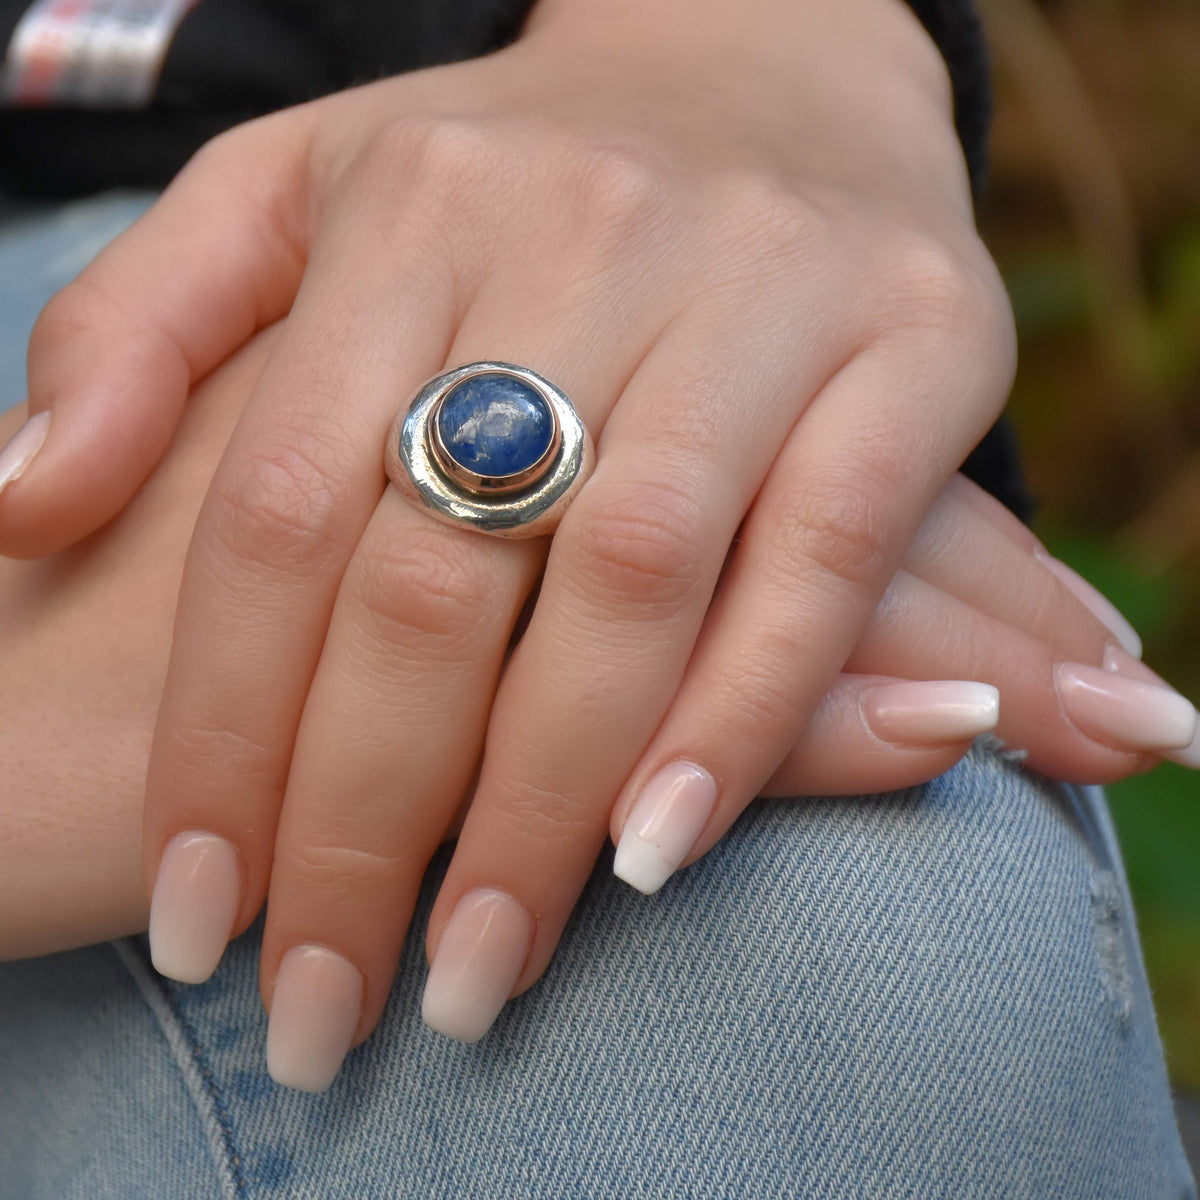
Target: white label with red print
(90, 53)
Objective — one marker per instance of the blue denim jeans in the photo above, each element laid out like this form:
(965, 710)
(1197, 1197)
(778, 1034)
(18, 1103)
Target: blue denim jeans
(935, 993)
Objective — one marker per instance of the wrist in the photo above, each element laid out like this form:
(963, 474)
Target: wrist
(865, 41)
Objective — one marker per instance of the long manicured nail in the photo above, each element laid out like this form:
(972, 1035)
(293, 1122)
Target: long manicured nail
(1115, 659)
(663, 825)
(23, 447)
(314, 1013)
(1098, 604)
(196, 897)
(478, 961)
(1189, 756)
(931, 713)
(1128, 713)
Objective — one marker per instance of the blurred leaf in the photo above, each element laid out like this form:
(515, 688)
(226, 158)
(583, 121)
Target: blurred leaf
(1173, 964)
(1158, 819)
(1049, 291)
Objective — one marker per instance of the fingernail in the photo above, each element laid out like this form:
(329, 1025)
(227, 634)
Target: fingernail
(23, 447)
(1098, 604)
(1128, 713)
(663, 825)
(196, 896)
(931, 713)
(478, 961)
(1115, 659)
(314, 1012)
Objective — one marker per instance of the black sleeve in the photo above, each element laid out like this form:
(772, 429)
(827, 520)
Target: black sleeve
(231, 60)
(955, 28)
(957, 32)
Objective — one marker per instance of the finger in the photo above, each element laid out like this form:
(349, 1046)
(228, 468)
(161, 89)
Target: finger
(289, 501)
(373, 319)
(921, 633)
(629, 577)
(392, 730)
(972, 547)
(1076, 721)
(114, 354)
(663, 820)
(824, 535)
(869, 734)
(394, 724)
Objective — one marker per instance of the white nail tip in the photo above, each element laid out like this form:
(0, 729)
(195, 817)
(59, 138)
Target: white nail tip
(1189, 756)
(642, 864)
(674, 806)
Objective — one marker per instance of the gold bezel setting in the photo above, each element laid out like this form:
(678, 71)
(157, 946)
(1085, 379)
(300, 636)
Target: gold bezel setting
(526, 504)
(490, 485)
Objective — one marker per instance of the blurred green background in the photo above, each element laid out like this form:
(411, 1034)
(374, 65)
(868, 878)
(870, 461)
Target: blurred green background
(1093, 212)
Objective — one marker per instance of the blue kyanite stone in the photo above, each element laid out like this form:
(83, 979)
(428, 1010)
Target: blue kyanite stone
(493, 424)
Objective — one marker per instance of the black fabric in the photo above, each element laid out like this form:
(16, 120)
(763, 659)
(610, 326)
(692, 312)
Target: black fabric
(231, 60)
(956, 29)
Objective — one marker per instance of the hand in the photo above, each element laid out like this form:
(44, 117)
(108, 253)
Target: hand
(706, 283)
(74, 747)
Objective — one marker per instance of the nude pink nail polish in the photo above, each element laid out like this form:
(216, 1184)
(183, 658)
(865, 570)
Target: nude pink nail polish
(197, 893)
(314, 1012)
(22, 448)
(1129, 714)
(663, 825)
(478, 961)
(1118, 661)
(931, 712)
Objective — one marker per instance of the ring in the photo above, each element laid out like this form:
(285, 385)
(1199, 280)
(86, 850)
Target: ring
(493, 446)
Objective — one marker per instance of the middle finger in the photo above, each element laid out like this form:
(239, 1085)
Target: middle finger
(627, 585)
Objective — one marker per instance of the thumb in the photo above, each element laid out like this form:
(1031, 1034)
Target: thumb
(114, 355)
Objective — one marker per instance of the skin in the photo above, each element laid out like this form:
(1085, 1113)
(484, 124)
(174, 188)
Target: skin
(85, 638)
(768, 301)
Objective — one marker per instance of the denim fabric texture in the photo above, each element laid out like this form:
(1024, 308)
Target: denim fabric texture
(935, 993)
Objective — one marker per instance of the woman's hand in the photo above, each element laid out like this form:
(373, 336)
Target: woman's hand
(85, 637)
(755, 272)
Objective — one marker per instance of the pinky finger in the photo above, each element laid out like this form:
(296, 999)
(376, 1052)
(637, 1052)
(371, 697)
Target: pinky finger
(870, 733)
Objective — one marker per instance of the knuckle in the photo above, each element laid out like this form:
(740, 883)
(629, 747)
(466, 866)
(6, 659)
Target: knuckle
(283, 511)
(936, 288)
(196, 746)
(957, 303)
(331, 869)
(75, 308)
(639, 546)
(427, 588)
(216, 155)
(547, 816)
(756, 694)
(613, 191)
(439, 154)
(837, 524)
